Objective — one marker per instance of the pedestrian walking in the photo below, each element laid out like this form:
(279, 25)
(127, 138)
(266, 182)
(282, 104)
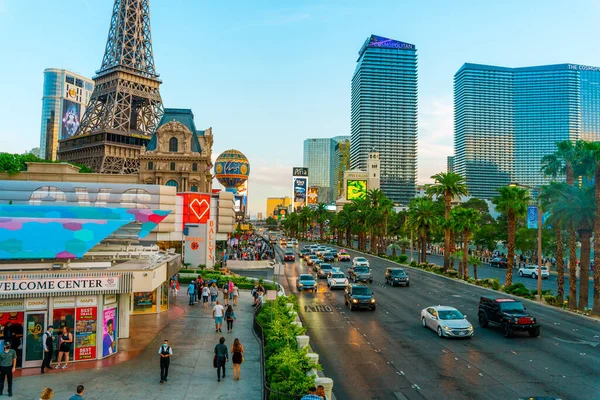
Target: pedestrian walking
(79, 393)
(165, 351)
(321, 392)
(205, 294)
(237, 358)
(226, 293)
(231, 285)
(64, 347)
(218, 316)
(221, 358)
(213, 293)
(312, 394)
(190, 291)
(236, 295)
(48, 346)
(255, 292)
(229, 317)
(8, 365)
(47, 394)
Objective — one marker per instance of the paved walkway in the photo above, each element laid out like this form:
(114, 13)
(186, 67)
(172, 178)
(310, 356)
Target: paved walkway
(191, 375)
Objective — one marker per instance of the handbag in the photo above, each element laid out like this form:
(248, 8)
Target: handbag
(215, 361)
(242, 359)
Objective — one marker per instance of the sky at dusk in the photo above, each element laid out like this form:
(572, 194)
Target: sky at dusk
(265, 75)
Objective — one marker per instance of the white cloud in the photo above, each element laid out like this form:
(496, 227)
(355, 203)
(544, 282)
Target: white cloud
(436, 132)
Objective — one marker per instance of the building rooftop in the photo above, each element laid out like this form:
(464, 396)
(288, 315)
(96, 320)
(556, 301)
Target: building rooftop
(186, 117)
(385, 43)
(552, 67)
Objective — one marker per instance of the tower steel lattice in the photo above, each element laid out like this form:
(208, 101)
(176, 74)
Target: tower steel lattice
(125, 107)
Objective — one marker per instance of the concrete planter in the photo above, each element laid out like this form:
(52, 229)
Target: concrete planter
(327, 384)
(297, 323)
(313, 357)
(290, 306)
(302, 341)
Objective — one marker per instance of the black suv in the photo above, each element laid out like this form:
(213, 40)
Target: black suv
(396, 276)
(508, 313)
(329, 256)
(359, 296)
(499, 262)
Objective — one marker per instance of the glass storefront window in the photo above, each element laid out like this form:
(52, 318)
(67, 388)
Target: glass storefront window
(144, 302)
(11, 330)
(164, 296)
(63, 317)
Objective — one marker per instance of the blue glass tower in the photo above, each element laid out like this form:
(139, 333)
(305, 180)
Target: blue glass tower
(319, 158)
(507, 119)
(384, 114)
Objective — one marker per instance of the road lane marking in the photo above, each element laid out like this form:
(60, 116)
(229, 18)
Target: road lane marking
(514, 352)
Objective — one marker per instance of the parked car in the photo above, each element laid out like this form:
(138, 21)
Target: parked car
(499, 262)
(306, 282)
(533, 271)
(337, 279)
(343, 256)
(359, 296)
(396, 276)
(360, 273)
(446, 321)
(289, 256)
(508, 313)
(324, 270)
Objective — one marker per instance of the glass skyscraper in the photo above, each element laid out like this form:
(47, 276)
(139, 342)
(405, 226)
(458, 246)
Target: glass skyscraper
(65, 97)
(507, 119)
(384, 114)
(320, 161)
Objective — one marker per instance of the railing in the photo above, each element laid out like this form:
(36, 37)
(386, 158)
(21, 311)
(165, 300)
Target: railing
(268, 393)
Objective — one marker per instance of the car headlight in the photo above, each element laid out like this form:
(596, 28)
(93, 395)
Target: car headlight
(372, 300)
(354, 300)
(299, 284)
(447, 328)
(470, 328)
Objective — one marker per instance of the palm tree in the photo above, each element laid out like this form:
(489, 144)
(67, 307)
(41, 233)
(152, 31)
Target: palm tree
(513, 202)
(345, 223)
(380, 207)
(305, 219)
(475, 262)
(447, 185)
(550, 195)
(421, 218)
(320, 214)
(466, 221)
(404, 243)
(577, 207)
(394, 247)
(591, 162)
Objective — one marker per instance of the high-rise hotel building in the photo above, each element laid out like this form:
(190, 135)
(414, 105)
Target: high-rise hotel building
(65, 97)
(507, 119)
(384, 114)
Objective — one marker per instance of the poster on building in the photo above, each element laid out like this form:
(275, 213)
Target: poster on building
(356, 190)
(313, 195)
(85, 333)
(71, 118)
(109, 332)
(300, 191)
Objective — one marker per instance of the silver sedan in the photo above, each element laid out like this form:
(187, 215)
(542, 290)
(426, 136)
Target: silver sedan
(446, 321)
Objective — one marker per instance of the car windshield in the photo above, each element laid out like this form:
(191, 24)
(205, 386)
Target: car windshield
(361, 259)
(398, 272)
(305, 277)
(288, 253)
(450, 314)
(343, 254)
(338, 276)
(313, 256)
(325, 266)
(361, 291)
(512, 306)
(361, 270)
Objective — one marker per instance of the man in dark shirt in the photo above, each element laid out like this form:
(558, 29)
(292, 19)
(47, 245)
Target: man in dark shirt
(221, 357)
(8, 364)
(48, 344)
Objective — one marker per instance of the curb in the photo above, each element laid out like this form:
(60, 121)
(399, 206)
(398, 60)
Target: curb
(482, 287)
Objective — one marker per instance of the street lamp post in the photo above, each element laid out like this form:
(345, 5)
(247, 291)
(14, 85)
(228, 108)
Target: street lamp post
(539, 237)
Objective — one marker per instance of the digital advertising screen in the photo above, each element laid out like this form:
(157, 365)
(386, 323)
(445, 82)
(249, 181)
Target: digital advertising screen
(109, 332)
(313, 195)
(71, 118)
(356, 190)
(300, 186)
(85, 333)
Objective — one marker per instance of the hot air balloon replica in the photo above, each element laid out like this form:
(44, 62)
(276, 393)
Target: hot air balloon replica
(231, 170)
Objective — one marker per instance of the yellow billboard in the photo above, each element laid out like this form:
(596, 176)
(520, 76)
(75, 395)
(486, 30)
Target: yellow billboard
(356, 190)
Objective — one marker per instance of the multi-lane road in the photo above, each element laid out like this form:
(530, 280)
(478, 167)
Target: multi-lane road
(387, 354)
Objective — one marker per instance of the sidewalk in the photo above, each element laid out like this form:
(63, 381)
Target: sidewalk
(191, 333)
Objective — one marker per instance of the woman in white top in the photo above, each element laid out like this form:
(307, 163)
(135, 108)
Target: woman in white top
(236, 293)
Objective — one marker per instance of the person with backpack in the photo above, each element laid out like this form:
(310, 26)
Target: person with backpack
(205, 294)
(226, 294)
(191, 292)
(213, 293)
(165, 351)
(229, 317)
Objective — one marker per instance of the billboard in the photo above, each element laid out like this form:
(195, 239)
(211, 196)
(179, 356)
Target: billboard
(109, 332)
(356, 190)
(313, 195)
(300, 171)
(71, 117)
(300, 191)
(196, 208)
(85, 333)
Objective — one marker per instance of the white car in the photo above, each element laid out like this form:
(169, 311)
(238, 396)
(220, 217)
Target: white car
(446, 321)
(533, 271)
(360, 261)
(337, 280)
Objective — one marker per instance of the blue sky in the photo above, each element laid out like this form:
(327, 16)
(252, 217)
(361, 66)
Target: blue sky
(268, 74)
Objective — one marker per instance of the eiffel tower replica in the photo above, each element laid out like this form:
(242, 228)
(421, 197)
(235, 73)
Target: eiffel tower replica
(125, 106)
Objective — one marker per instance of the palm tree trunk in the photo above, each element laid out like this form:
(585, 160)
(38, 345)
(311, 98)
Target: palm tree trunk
(510, 243)
(394, 251)
(560, 266)
(475, 270)
(372, 246)
(584, 277)
(447, 205)
(572, 269)
(452, 249)
(596, 306)
(321, 230)
(466, 255)
(424, 248)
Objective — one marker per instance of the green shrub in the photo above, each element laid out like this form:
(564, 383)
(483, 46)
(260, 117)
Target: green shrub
(437, 269)
(514, 287)
(552, 300)
(493, 283)
(413, 264)
(480, 282)
(452, 273)
(471, 280)
(402, 258)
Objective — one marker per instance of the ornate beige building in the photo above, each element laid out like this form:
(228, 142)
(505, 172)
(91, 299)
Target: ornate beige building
(178, 155)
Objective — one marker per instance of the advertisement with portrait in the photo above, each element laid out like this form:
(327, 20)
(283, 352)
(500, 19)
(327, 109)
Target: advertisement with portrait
(356, 190)
(313, 195)
(85, 333)
(109, 332)
(71, 118)
(300, 186)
